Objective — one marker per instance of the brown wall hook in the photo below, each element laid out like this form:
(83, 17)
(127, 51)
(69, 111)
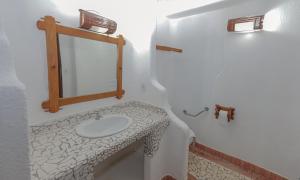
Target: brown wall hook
(229, 110)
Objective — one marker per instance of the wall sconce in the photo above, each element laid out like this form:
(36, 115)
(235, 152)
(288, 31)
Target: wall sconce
(246, 24)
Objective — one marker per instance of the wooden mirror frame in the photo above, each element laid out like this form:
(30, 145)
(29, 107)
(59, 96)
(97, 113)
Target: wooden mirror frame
(52, 28)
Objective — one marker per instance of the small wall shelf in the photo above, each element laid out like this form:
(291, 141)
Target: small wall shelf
(166, 48)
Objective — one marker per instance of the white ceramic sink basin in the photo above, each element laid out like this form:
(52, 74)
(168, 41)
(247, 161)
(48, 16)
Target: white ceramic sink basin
(105, 126)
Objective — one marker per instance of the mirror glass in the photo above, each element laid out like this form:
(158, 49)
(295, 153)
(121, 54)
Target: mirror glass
(86, 66)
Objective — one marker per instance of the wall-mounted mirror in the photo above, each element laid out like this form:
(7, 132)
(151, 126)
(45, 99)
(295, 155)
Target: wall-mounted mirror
(87, 66)
(82, 65)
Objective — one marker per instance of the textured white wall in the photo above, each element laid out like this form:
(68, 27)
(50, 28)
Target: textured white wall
(14, 159)
(257, 73)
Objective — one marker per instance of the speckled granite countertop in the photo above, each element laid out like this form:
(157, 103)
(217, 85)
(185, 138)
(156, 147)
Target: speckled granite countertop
(57, 152)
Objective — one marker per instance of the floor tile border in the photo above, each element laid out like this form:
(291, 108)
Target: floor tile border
(168, 177)
(233, 163)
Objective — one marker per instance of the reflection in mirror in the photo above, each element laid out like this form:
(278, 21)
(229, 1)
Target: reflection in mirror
(86, 66)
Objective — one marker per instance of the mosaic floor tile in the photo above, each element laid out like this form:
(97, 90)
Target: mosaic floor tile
(203, 169)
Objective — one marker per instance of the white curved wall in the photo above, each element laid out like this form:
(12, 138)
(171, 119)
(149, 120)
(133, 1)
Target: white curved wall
(14, 149)
(257, 73)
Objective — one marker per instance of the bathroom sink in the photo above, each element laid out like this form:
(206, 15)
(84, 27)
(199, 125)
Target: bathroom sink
(104, 126)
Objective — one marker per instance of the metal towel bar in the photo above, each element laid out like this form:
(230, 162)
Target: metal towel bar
(195, 115)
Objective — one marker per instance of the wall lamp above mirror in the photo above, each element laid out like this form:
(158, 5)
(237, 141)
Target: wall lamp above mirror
(246, 24)
(82, 65)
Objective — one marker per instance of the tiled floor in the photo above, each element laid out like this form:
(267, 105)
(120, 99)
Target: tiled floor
(204, 169)
(201, 153)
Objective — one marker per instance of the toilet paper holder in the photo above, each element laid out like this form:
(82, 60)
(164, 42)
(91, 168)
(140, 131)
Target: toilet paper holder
(229, 110)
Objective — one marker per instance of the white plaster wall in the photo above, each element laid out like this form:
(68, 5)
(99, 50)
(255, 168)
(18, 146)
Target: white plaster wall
(14, 151)
(256, 73)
